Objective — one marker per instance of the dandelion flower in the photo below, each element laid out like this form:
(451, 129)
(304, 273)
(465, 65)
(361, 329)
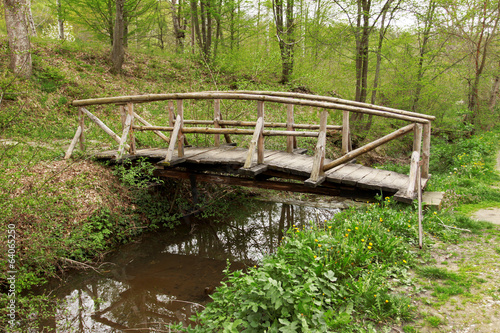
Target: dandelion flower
(315, 240)
(349, 230)
(374, 295)
(356, 228)
(329, 227)
(370, 244)
(404, 261)
(386, 301)
(362, 240)
(369, 247)
(315, 257)
(319, 245)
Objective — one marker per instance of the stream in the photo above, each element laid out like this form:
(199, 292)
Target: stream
(166, 277)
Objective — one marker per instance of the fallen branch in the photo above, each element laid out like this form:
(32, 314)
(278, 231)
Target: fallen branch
(450, 227)
(79, 264)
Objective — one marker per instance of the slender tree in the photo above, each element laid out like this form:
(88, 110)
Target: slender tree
(18, 32)
(118, 53)
(475, 22)
(285, 27)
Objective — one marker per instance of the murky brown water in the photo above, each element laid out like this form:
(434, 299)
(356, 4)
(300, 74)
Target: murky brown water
(168, 276)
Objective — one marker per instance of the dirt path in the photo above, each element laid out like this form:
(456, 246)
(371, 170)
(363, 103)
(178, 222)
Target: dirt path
(472, 303)
(491, 214)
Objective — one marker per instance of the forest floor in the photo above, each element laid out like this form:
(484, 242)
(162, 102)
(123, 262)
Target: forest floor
(468, 299)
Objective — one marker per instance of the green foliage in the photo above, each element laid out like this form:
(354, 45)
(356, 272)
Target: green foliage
(49, 78)
(434, 321)
(321, 278)
(466, 169)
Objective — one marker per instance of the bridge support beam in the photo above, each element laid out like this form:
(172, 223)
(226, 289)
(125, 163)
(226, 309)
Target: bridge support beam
(317, 174)
(341, 190)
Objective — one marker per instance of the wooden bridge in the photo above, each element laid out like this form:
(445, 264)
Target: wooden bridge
(287, 169)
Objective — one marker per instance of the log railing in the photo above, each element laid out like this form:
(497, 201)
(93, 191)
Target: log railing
(420, 124)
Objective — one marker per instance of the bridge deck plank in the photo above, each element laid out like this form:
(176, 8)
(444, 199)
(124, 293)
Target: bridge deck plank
(287, 163)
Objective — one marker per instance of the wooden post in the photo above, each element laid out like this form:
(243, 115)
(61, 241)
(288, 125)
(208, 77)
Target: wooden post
(126, 129)
(73, 143)
(130, 111)
(173, 140)
(254, 142)
(289, 127)
(415, 157)
(346, 134)
(103, 126)
(317, 174)
(180, 137)
(123, 115)
(426, 150)
(420, 215)
(216, 121)
(171, 113)
(260, 142)
(417, 137)
(81, 123)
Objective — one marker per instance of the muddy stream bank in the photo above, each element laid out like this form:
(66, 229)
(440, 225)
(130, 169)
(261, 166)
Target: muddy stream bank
(167, 276)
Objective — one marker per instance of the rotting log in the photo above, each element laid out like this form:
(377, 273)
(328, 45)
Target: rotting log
(103, 126)
(366, 148)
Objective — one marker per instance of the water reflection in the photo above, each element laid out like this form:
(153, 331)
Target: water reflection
(168, 276)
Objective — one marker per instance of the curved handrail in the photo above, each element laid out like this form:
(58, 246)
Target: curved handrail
(256, 97)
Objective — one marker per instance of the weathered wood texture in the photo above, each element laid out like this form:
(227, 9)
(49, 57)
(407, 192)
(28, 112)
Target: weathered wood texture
(263, 98)
(286, 166)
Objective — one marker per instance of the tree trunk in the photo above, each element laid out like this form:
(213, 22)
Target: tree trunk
(19, 42)
(60, 21)
(29, 19)
(285, 37)
(118, 53)
(494, 93)
(179, 28)
(110, 22)
(429, 21)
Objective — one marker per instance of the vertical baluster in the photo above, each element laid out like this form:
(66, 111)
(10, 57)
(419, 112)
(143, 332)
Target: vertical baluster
(130, 111)
(180, 138)
(217, 118)
(346, 134)
(426, 150)
(289, 127)
(260, 142)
